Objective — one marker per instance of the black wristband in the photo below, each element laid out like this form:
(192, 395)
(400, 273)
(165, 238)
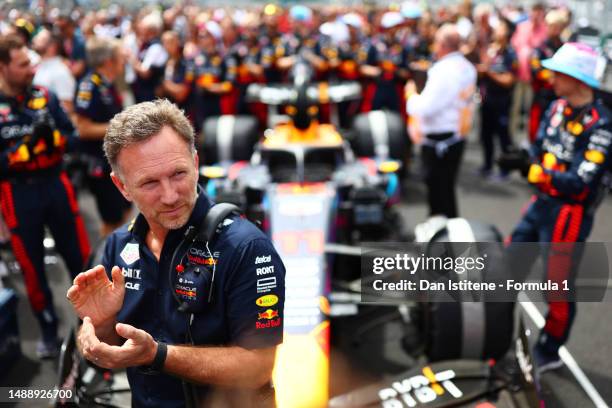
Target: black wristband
(160, 357)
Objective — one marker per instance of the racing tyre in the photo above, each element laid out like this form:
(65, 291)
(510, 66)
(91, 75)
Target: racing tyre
(380, 134)
(466, 330)
(228, 138)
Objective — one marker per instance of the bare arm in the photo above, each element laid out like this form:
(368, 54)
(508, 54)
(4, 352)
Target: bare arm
(285, 63)
(90, 130)
(505, 79)
(144, 73)
(219, 88)
(224, 366)
(370, 71)
(177, 91)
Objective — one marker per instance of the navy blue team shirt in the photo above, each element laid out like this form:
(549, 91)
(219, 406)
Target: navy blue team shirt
(248, 270)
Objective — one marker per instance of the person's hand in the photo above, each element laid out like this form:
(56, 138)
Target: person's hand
(410, 89)
(537, 175)
(94, 295)
(482, 69)
(139, 348)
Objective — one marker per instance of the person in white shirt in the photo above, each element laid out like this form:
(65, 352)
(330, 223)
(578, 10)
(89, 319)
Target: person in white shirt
(440, 118)
(52, 72)
(149, 63)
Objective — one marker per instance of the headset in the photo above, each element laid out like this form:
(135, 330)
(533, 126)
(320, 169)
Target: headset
(192, 278)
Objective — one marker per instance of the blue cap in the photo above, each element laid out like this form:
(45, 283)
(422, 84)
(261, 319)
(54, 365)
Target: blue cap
(576, 60)
(411, 10)
(300, 13)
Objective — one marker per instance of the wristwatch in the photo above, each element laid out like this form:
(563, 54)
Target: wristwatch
(159, 360)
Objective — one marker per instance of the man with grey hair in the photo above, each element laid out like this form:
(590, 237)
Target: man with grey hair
(180, 314)
(440, 118)
(97, 101)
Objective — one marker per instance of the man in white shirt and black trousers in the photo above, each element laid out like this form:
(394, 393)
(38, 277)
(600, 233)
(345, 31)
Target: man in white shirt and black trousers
(440, 118)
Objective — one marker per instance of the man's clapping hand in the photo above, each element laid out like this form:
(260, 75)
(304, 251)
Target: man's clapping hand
(94, 295)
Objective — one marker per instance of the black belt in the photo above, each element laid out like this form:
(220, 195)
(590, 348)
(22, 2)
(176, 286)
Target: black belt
(441, 142)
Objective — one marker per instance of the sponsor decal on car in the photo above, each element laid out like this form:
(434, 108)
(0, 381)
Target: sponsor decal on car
(422, 389)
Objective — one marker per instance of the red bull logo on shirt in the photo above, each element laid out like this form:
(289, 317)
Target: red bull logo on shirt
(269, 314)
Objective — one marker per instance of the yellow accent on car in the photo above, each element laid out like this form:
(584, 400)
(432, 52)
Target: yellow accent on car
(389, 166)
(324, 135)
(213, 172)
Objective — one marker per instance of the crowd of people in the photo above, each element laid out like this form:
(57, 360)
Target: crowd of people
(65, 74)
(204, 58)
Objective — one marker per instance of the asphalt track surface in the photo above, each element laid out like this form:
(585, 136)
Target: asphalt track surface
(495, 202)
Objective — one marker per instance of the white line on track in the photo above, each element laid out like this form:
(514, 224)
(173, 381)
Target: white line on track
(588, 387)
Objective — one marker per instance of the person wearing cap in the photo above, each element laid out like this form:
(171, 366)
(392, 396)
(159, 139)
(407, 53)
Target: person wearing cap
(302, 42)
(541, 78)
(386, 67)
(149, 62)
(570, 158)
(411, 37)
(440, 119)
(211, 74)
(271, 43)
(348, 56)
(25, 30)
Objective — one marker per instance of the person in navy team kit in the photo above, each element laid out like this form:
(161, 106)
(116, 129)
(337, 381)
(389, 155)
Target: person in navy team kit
(34, 191)
(571, 156)
(497, 74)
(386, 67)
(97, 101)
(211, 75)
(227, 335)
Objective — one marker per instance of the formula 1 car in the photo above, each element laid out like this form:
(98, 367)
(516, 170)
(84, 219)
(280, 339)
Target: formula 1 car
(319, 197)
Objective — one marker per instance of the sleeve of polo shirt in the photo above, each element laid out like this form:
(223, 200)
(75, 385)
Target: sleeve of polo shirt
(155, 56)
(87, 98)
(256, 296)
(109, 255)
(511, 61)
(79, 51)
